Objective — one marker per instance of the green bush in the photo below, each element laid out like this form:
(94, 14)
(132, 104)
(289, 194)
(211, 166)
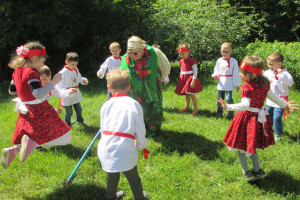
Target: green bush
(290, 51)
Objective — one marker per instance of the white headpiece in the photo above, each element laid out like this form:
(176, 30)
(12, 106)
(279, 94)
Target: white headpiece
(138, 45)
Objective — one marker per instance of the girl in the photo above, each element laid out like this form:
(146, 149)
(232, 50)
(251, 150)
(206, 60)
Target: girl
(188, 83)
(38, 122)
(251, 129)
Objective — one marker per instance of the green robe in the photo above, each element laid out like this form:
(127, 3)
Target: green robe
(146, 89)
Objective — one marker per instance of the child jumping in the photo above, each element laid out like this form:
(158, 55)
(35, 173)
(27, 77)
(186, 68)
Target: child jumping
(38, 124)
(123, 132)
(227, 71)
(251, 128)
(111, 63)
(280, 80)
(71, 79)
(188, 83)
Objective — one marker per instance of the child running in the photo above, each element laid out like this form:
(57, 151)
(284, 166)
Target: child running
(71, 79)
(280, 80)
(188, 83)
(111, 63)
(37, 123)
(251, 128)
(123, 132)
(227, 71)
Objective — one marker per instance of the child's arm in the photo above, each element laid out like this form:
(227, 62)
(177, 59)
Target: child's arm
(12, 90)
(216, 71)
(236, 75)
(195, 73)
(102, 69)
(245, 103)
(285, 77)
(163, 64)
(40, 92)
(82, 80)
(140, 130)
(286, 105)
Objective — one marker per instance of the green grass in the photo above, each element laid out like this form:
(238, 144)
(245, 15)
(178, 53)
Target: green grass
(187, 160)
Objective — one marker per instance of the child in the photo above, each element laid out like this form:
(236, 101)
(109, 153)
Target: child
(71, 79)
(251, 128)
(280, 80)
(111, 63)
(121, 122)
(45, 76)
(188, 83)
(37, 123)
(227, 71)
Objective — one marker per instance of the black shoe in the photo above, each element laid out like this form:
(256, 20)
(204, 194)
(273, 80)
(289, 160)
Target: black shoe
(230, 116)
(218, 116)
(70, 124)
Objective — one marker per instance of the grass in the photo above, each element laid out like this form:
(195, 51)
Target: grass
(187, 160)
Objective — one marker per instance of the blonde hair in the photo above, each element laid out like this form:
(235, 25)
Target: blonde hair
(275, 57)
(226, 45)
(114, 44)
(118, 79)
(45, 70)
(257, 62)
(17, 61)
(183, 45)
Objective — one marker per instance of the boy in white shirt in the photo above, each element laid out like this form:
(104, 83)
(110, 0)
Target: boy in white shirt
(71, 79)
(280, 81)
(111, 63)
(227, 71)
(123, 132)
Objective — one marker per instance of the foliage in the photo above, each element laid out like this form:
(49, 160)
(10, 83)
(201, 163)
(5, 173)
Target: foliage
(290, 51)
(203, 24)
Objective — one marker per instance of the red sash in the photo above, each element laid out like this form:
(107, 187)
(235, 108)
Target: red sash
(286, 99)
(127, 135)
(225, 75)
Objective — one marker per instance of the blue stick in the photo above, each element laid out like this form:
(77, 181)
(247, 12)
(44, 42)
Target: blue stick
(84, 155)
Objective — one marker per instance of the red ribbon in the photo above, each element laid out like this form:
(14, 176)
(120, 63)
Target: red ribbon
(251, 69)
(228, 61)
(35, 52)
(59, 103)
(285, 112)
(183, 50)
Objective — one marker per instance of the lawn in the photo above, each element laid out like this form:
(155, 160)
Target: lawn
(187, 160)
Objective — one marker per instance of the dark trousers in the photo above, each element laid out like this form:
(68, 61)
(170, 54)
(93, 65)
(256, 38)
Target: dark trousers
(69, 113)
(221, 94)
(133, 179)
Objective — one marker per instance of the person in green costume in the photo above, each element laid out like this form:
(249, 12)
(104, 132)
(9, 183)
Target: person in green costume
(148, 69)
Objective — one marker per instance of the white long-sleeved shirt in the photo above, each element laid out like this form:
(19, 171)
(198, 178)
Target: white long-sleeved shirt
(228, 76)
(59, 92)
(279, 86)
(125, 115)
(110, 64)
(71, 79)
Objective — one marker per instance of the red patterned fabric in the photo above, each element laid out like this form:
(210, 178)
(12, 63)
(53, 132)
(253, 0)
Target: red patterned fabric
(245, 132)
(185, 80)
(41, 123)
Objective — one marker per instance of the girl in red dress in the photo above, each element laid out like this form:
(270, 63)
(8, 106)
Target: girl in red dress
(251, 127)
(188, 83)
(38, 124)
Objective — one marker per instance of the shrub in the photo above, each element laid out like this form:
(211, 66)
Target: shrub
(290, 51)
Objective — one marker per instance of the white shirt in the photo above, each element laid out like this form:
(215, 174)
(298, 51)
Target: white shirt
(71, 79)
(221, 69)
(110, 64)
(125, 115)
(59, 92)
(281, 86)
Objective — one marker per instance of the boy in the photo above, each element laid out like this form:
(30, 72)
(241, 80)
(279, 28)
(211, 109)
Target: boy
(123, 132)
(227, 71)
(71, 79)
(280, 80)
(111, 63)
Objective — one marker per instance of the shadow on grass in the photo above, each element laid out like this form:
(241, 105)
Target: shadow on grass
(280, 183)
(74, 192)
(188, 142)
(202, 112)
(87, 129)
(294, 138)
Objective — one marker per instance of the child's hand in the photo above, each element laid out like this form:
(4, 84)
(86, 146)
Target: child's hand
(58, 111)
(216, 77)
(72, 90)
(56, 79)
(193, 83)
(279, 70)
(223, 104)
(99, 75)
(238, 88)
(291, 107)
(85, 82)
(166, 82)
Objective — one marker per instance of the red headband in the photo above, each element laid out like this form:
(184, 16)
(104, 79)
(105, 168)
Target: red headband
(25, 52)
(183, 50)
(251, 69)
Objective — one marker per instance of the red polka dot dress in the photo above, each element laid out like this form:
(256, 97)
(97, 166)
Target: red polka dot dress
(41, 123)
(245, 132)
(186, 76)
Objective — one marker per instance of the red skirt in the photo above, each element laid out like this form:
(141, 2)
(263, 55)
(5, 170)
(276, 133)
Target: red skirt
(41, 123)
(184, 85)
(247, 134)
